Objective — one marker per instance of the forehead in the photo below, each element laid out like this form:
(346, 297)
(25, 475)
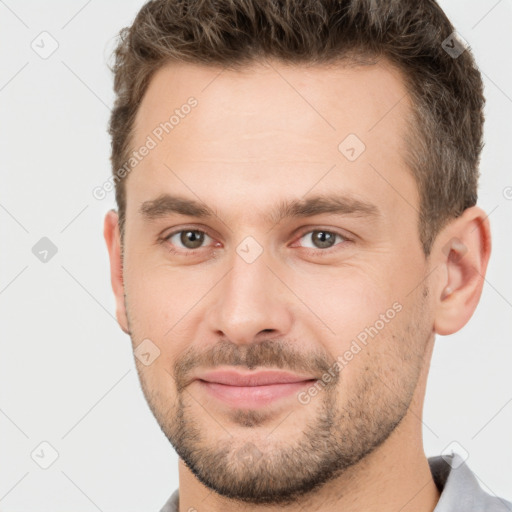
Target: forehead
(273, 129)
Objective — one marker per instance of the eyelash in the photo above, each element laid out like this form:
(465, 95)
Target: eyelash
(315, 252)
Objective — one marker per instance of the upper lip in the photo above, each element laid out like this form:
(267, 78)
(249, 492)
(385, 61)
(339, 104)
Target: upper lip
(260, 378)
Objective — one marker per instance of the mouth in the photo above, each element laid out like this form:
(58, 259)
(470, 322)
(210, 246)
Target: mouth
(252, 390)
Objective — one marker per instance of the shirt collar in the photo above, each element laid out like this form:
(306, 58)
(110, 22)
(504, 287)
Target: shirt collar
(459, 487)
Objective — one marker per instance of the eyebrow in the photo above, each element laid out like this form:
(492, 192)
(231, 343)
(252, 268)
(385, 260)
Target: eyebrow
(336, 204)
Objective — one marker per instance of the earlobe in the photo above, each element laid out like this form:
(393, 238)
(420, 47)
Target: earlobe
(462, 249)
(113, 240)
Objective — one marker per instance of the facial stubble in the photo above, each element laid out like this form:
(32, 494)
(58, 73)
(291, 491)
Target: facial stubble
(346, 421)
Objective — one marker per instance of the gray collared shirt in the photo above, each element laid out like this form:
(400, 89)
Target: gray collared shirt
(459, 488)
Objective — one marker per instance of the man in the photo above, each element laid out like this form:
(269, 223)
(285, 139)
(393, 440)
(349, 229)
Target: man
(296, 185)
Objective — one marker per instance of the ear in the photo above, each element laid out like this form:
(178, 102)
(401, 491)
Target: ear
(113, 240)
(462, 250)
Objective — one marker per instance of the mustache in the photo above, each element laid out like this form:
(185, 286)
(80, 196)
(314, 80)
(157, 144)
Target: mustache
(274, 354)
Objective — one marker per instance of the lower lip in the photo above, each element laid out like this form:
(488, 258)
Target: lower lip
(253, 396)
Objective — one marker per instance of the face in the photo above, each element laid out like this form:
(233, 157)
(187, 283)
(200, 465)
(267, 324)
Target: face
(301, 254)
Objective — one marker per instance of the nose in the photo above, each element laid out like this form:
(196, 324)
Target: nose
(251, 301)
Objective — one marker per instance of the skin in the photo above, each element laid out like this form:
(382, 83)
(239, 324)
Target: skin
(252, 142)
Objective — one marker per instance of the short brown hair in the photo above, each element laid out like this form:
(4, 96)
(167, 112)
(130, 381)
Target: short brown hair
(445, 140)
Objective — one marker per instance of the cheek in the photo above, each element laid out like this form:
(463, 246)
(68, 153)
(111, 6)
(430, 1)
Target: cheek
(362, 325)
(163, 307)
(151, 293)
(344, 302)
(380, 361)
(149, 316)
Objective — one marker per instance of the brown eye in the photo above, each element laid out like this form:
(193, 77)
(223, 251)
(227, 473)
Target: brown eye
(187, 238)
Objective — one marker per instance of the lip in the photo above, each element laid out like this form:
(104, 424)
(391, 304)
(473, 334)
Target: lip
(252, 390)
(260, 378)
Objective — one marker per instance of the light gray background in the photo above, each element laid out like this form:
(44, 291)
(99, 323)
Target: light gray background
(67, 374)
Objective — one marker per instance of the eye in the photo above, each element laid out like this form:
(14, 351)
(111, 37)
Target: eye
(323, 239)
(190, 239)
